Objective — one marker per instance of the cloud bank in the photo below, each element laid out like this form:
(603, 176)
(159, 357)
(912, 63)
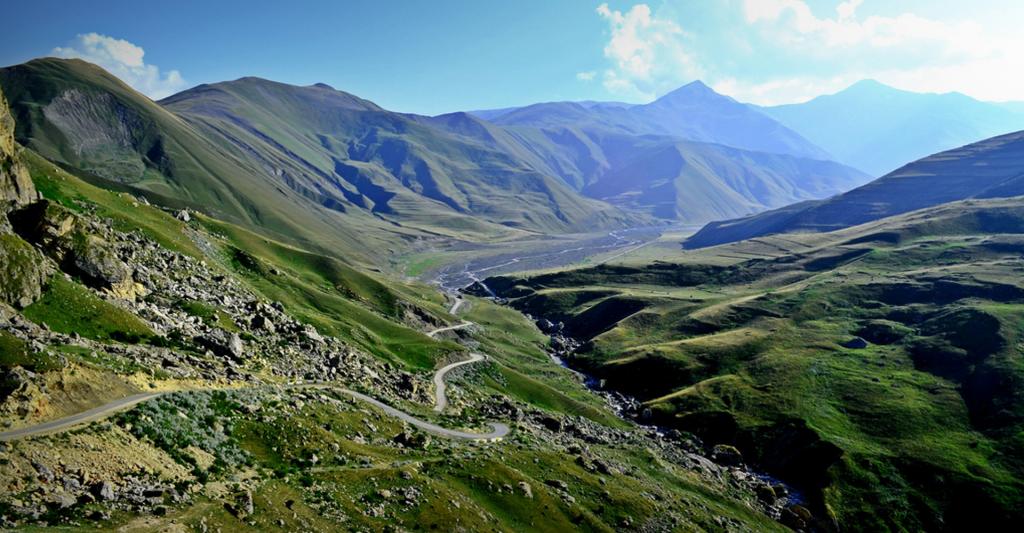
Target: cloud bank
(778, 51)
(124, 60)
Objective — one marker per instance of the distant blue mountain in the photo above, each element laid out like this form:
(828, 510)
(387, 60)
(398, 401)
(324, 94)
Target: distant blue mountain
(877, 128)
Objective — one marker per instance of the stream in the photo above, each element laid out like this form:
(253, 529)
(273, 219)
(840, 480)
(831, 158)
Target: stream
(630, 409)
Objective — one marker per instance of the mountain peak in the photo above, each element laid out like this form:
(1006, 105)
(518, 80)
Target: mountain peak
(695, 91)
(869, 85)
(322, 85)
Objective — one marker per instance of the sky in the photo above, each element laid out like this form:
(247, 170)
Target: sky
(442, 56)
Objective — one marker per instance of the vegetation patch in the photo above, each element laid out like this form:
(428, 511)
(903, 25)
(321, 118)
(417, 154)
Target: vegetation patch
(68, 307)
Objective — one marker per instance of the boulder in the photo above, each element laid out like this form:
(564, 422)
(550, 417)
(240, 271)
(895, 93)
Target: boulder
(726, 455)
(223, 343)
(410, 439)
(263, 322)
(103, 491)
(61, 236)
(796, 517)
(766, 493)
(558, 484)
(551, 423)
(100, 267)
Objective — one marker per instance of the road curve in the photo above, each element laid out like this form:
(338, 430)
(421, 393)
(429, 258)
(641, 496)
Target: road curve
(96, 413)
(455, 305)
(498, 430)
(440, 398)
(433, 333)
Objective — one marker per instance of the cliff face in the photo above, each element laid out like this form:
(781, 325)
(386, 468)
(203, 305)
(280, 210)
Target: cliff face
(15, 185)
(23, 271)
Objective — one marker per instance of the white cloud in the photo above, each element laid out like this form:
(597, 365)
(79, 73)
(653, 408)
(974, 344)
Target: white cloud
(793, 21)
(647, 53)
(780, 51)
(782, 90)
(586, 76)
(124, 60)
(905, 50)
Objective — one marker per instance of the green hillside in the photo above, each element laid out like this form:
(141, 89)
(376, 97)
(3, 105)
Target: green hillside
(877, 367)
(991, 168)
(306, 164)
(234, 443)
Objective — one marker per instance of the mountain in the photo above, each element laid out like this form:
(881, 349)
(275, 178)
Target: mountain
(691, 156)
(669, 178)
(307, 163)
(694, 182)
(993, 168)
(391, 164)
(877, 128)
(693, 112)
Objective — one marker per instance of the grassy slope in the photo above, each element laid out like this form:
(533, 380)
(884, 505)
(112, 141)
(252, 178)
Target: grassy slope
(749, 352)
(400, 168)
(307, 165)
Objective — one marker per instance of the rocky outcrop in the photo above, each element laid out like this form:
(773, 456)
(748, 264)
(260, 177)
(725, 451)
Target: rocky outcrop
(15, 184)
(23, 271)
(66, 239)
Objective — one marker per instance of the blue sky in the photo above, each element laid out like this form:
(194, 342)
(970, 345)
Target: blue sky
(434, 57)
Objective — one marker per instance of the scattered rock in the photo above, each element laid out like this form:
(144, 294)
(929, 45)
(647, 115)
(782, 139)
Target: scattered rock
(558, 484)
(796, 517)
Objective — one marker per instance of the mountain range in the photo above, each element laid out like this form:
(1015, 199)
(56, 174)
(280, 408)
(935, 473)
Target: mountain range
(327, 168)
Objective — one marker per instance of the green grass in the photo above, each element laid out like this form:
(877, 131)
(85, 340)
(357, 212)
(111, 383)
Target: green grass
(210, 314)
(15, 352)
(68, 307)
(336, 298)
(57, 185)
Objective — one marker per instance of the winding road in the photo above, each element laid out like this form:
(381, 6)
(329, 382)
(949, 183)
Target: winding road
(440, 398)
(498, 430)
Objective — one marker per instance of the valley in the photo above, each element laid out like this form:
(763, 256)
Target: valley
(252, 305)
(848, 364)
